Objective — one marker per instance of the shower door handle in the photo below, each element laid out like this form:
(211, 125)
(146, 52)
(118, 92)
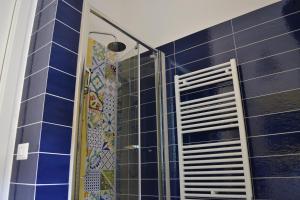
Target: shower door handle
(132, 147)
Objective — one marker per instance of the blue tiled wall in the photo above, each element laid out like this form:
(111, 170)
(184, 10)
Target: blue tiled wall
(266, 44)
(45, 118)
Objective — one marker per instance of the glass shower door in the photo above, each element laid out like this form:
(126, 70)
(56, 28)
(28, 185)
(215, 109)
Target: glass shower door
(128, 169)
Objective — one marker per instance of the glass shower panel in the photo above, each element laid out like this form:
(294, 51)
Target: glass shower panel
(127, 176)
(119, 143)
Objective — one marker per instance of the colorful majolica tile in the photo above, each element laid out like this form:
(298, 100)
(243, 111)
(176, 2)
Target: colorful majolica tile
(100, 163)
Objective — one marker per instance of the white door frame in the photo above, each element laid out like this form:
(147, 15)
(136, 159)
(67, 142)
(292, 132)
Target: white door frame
(16, 27)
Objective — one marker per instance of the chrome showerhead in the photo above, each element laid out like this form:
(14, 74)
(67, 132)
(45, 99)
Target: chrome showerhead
(116, 46)
(113, 46)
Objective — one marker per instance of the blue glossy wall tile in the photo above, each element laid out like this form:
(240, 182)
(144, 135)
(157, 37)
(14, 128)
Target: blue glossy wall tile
(276, 166)
(170, 75)
(149, 139)
(55, 139)
(38, 60)
(35, 84)
(173, 152)
(206, 62)
(148, 95)
(53, 169)
(30, 134)
(58, 110)
(277, 123)
(288, 143)
(65, 36)
(21, 192)
(265, 14)
(281, 102)
(75, 3)
(172, 136)
(61, 84)
(175, 187)
(41, 38)
(149, 171)
(149, 187)
(31, 111)
(277, 188)
(148, 124)
(148, 109)
(50, 192)
(42, 4)
(170, 62)
(45, 16)
(63, 59)
(145, 70)
(171, 107)
(269, 47)
(272, 84)
(200, 37)
(174, 170)
(207, 91)
(147, 82)
(68, 15)
(270, 65)
(24, 171)
(149, 154)
(168, 48)
(268, 30)
(208, 136)
(205, 50)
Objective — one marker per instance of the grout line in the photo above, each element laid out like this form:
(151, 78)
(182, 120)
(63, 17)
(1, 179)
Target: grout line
(72, 6)
(36, 96)
(62, 71)
(276, 36)
(282, 17)
(23, 126)
(67, 25)
(258, 77)
(57, 124)
(275, 113)
(41, 47)
(46, 93)
(234, 42)
(263, 95)
(213, 40)
(204, 58)
(44, 8)
(268, 156)
(44, 25)
(30, 124)
(273, 134)
(278, 177)
(64, 47)
(34, 73)
(59, 97)
(50, 153)
(32, 184)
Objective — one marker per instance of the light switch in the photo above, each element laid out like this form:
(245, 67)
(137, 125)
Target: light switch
(22, 153)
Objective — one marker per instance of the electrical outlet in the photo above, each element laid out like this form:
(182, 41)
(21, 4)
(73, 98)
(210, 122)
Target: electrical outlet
(22, 153)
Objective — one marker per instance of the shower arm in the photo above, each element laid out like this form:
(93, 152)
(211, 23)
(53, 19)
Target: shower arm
(103, 33)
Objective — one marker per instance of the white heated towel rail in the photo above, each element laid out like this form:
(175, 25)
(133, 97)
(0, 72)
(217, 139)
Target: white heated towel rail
(213, 169)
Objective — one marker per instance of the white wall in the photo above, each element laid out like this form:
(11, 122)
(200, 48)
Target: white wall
(16, 45)
(160, 21)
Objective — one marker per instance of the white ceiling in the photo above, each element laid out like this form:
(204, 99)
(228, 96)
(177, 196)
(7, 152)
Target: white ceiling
(157, 22)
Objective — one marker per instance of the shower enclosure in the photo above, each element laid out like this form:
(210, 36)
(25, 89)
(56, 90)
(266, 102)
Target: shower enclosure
(120, 145)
